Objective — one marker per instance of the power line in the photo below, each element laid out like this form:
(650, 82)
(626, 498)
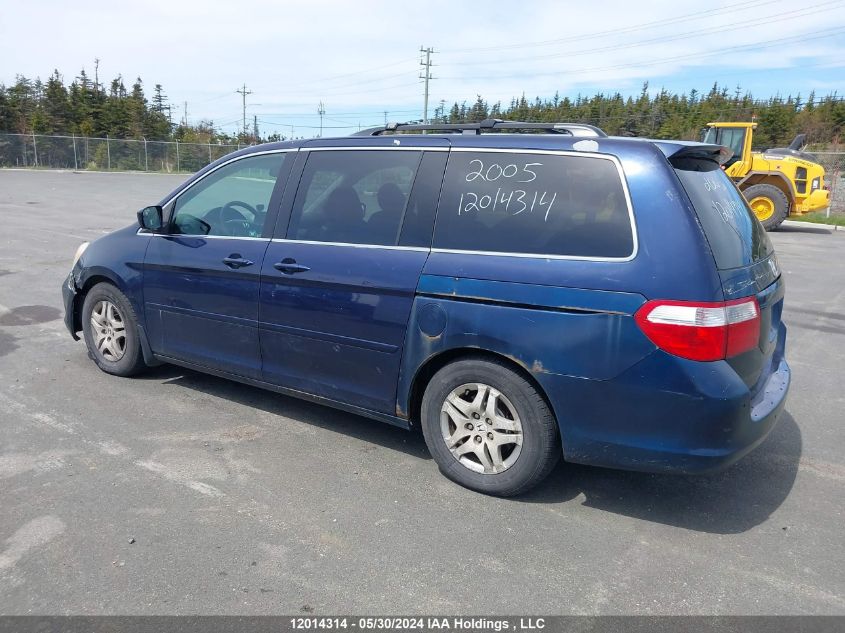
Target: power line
(214, 98)
(341, 86)
(316, 127)
(340, 117)
(244, 92)
(370, 80)
(802, 11)
(721, 52)
(426, 76)
(340, 114)
(734, 26)
(371, 90)
(355, 73)
(362, 91)
(687, 78)
(627, 29)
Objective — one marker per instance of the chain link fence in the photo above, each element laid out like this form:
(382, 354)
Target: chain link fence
(834, 167)
(105, 154)
(81, 152)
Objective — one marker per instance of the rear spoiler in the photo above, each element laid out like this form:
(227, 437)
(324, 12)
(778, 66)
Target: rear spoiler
(702, 151)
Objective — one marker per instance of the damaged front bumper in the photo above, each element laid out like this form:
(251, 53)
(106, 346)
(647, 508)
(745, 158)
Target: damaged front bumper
(69, 292)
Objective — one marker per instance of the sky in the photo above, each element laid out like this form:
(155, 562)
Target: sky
(361, 59)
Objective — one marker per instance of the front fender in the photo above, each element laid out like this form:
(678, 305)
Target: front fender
(117, 258)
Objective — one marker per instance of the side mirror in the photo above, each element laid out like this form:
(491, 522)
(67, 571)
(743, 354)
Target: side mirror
(151, 219)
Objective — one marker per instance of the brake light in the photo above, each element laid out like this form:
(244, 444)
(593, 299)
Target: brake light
(701, 331)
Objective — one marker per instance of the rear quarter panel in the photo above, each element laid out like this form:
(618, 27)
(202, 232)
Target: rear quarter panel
(565, 320)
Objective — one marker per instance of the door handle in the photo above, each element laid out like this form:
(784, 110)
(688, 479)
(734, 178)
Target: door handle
(236, 261)
(288, 266)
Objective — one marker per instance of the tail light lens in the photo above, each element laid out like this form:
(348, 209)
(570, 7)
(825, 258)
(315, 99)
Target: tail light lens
(701, 331)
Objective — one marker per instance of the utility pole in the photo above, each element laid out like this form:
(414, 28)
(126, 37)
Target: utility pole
(255, 128)
(186, 114)
(244, 92)
(321, 110)
(385, 118)
(427, 77)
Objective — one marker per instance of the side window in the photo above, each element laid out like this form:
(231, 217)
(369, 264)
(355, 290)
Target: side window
(353, 196)
(231, 201)
(422, 206)
(543, 204)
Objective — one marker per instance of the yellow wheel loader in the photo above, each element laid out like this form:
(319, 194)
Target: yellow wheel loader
(776, 182)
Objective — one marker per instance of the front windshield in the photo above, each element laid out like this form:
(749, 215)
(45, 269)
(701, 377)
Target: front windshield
(731, 137)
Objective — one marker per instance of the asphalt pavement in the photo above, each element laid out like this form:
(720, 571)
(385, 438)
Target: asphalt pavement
(178, 493)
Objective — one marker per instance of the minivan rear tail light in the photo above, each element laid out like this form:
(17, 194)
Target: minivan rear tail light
(701, 331)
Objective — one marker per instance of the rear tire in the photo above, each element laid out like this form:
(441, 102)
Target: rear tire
(488, 428)
(769, 204)
(110, 328)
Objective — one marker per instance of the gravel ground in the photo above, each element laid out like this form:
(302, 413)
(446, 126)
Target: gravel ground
(182, 493)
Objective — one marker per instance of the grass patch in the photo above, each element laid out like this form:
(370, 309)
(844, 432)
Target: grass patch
(819, 217)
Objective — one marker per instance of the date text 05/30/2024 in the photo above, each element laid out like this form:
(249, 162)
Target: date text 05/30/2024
(418, 623)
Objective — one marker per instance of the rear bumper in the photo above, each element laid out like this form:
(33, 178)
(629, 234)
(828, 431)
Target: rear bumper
(669, 415)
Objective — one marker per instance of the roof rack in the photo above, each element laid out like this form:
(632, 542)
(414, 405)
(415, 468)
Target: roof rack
(487, 125)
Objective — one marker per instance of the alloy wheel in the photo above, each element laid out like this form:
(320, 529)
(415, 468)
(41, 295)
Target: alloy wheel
(108, 330)
(481, 428)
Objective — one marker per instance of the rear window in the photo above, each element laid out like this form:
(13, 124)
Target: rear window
(736, 237)
(532, 203)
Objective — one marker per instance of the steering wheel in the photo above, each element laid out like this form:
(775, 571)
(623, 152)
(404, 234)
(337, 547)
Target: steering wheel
(243, 205)
(235, 223)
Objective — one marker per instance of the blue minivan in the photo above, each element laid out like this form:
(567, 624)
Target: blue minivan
(519, 291)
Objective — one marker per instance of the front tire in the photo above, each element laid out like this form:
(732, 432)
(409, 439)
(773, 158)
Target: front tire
(110, 328)
(769, 204)
(488, 428)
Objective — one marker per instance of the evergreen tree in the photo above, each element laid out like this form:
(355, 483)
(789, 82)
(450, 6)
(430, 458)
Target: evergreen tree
(55, 106)
(478, 112)
(455, 114)
(85, 108)
(159, 100)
